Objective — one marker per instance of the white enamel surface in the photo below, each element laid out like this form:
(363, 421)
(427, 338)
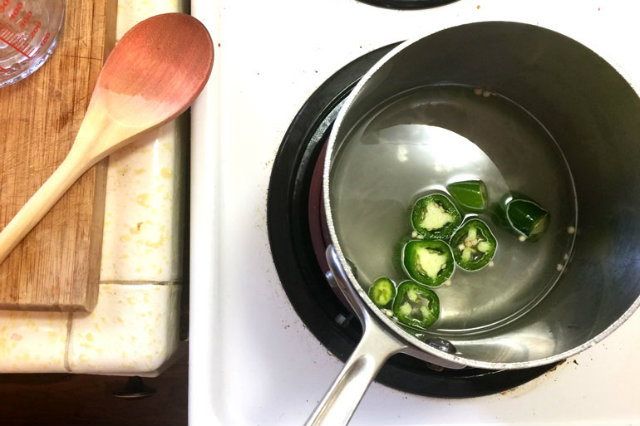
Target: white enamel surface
(263, 366)
(134, 328)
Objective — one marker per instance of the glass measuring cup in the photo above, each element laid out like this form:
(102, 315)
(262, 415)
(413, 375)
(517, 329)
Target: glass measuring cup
(29, 32)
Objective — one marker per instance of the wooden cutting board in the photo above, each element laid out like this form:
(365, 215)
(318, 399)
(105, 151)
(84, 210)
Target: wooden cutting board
(57, 266)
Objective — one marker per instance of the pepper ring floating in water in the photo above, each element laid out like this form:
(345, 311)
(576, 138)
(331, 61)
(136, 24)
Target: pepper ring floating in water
(435, 216)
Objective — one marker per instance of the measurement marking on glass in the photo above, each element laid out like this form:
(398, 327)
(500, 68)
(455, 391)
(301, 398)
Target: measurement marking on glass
(13, 40)
(29, 31)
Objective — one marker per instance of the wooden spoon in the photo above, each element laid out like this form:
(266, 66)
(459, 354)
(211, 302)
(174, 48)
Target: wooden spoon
(152, 75)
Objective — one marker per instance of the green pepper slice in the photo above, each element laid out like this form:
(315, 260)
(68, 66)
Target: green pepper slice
(416, 306)
(528, 218)
(429, 262)
(470, 195)
(525, 216)
(382, 292)
(435, 216)
(473, 245)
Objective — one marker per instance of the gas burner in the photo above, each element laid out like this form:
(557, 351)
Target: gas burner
(407, 4)
(295, 218)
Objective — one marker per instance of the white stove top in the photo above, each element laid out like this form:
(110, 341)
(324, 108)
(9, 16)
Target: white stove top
(252, 360)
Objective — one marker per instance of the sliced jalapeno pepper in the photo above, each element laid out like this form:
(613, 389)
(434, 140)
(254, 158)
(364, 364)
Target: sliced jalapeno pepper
(435, 216)
(473, 245)
(524, 216)
(416, 306)
(382, 292)
(527, 217)
(470, 195)
(429, 262)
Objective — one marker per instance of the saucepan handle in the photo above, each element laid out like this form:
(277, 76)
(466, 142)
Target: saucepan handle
(375, 347)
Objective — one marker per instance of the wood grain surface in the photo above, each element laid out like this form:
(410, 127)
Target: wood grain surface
(57, 266)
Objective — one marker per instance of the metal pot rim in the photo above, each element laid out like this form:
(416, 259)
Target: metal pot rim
(415, 346)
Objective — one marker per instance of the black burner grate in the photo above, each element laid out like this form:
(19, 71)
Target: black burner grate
(407, 4)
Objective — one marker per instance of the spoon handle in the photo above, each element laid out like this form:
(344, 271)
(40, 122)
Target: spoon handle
(41, 202)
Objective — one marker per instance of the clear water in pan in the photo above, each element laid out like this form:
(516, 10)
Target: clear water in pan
(418, 143)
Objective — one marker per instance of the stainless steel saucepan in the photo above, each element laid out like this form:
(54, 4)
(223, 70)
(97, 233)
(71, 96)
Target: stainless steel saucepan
(522, 108)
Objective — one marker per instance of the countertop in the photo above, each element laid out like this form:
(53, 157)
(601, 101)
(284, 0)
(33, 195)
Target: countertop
(134, 328)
